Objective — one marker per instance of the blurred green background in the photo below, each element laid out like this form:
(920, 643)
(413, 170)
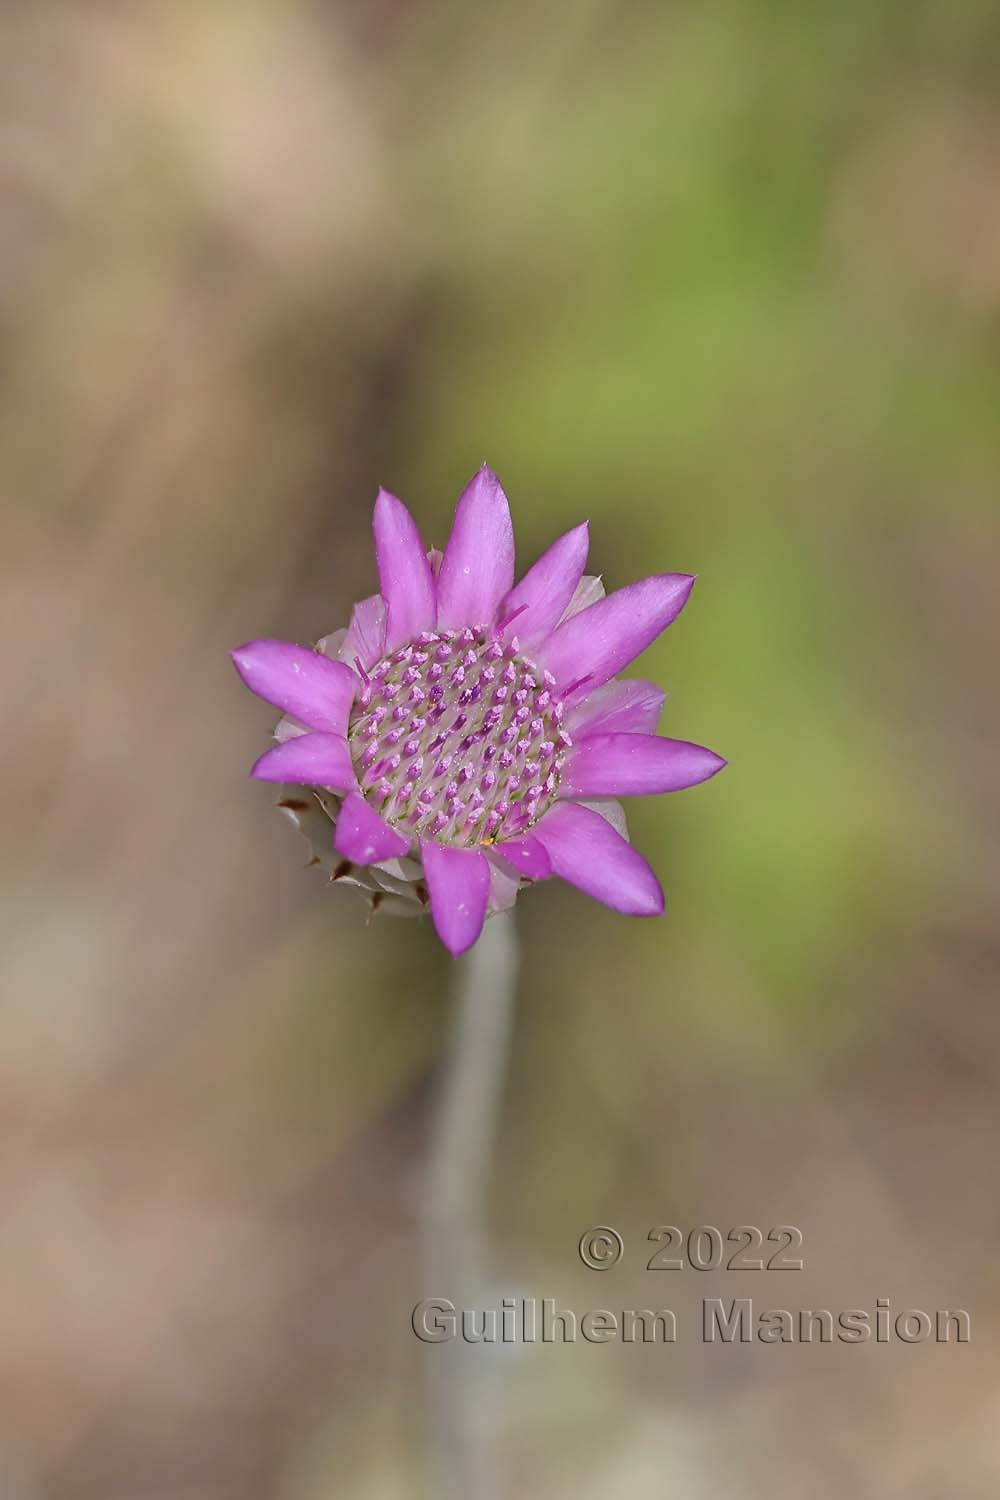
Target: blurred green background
(725, 279)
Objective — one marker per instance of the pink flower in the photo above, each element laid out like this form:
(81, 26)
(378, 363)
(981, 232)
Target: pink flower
(466, 734)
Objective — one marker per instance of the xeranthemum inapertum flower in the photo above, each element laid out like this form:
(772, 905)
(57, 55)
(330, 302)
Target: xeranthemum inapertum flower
(467, 735)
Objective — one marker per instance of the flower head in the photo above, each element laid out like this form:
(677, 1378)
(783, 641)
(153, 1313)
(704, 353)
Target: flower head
(466, 735)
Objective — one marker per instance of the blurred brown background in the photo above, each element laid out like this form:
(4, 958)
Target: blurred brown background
(725, 278)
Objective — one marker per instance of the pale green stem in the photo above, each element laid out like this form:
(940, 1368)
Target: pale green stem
(462, 1381)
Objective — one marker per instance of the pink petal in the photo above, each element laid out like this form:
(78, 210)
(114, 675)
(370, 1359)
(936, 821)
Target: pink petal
(363, 837)
(313, 759)
(586, 851)
(302, 683)
(458, 881)
(477, 569)
(405, 578)
(539, 600)
(527, 856)
(627, 707)
(635, 765)
(603, 639)
(365, 638)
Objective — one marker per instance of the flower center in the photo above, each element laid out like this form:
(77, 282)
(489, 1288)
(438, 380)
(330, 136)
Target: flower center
(458, 738)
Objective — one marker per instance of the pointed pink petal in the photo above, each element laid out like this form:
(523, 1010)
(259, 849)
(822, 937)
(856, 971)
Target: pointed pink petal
(458, 881)
(586, 851)
(527, 856)
(302, 683)
(365, 638)
(603, 639)
(312, 759)
(363, 837)
(627, 707)
(477, 569)
(635, 765)
(545, 590)
(405, 578)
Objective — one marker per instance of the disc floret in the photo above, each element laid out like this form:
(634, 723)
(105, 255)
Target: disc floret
(459, 737)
